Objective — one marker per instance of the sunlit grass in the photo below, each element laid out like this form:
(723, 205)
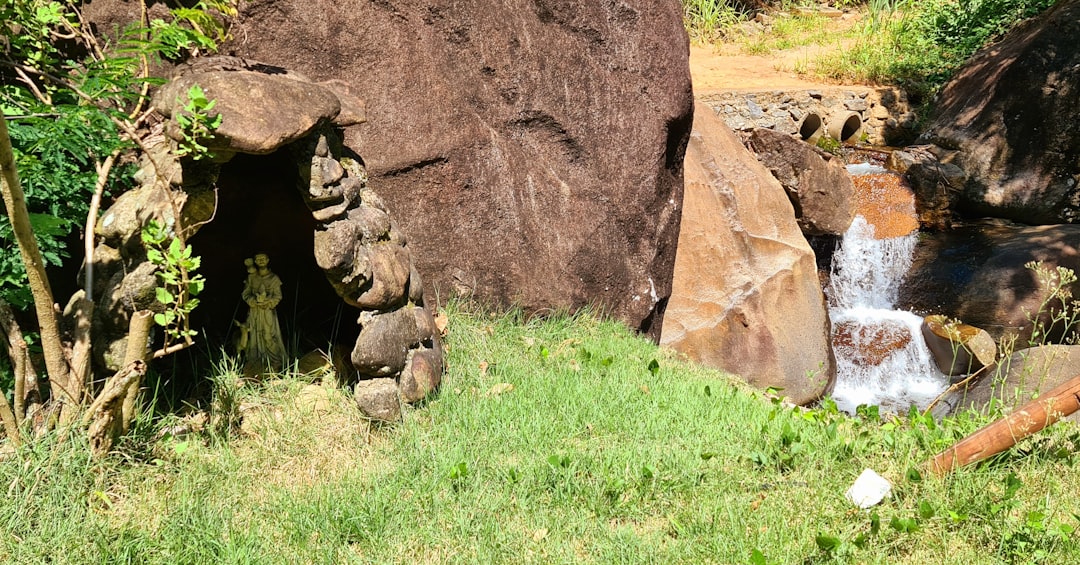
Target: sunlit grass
(558, 440)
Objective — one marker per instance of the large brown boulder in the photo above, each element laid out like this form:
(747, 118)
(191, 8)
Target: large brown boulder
(260, 112)
(746, 297)
(530, 150)
(977, 273)
(818, 185)
(1012, 113)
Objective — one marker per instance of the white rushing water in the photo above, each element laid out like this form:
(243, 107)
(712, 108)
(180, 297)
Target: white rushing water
(865, 281)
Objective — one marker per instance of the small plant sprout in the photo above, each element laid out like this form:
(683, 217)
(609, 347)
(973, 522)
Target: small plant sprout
(196, 124)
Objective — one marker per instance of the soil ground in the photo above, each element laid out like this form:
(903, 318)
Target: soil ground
(724, 66)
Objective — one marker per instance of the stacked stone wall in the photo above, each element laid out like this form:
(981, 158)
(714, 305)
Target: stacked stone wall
(884, 113)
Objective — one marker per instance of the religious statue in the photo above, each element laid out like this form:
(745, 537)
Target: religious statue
(260, 336)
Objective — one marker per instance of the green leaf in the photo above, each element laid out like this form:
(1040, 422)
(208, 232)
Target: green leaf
(160, 319)
(757, 558)
(654, 367)
(1012, 484)
(926, 511)
(826, 542)
(164, 296)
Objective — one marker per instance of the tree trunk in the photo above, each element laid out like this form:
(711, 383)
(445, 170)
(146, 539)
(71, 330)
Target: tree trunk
(15, 202)
(1005, 432)
(138, 337)
(104, 418)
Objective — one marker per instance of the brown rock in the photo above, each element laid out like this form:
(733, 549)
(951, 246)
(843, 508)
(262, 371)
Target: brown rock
(389, 276)
(422, 375)
(746, 297)
(887, 203)
(378, 399)
(384, 342)
(868, 345)
(1012, 112)
(818, 185)
(957, 348)
(260, 112)
(533, 147)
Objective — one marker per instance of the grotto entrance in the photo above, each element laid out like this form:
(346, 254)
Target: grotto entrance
(259, 210)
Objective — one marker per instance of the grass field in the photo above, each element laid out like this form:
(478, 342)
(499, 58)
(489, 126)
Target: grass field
(566, 440)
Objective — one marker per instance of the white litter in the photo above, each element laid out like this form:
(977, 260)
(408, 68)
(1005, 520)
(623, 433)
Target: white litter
(869, 489)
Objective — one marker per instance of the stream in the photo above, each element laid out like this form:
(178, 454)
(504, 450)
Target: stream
(881, 357)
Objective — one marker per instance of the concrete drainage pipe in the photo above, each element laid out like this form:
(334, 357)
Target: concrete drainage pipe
(844, 126)
(810, 129)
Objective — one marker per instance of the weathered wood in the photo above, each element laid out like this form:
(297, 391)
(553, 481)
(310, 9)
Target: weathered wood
(81, 311)
(11, 427)
(1005, 432)
(138, 336)
(104, 418)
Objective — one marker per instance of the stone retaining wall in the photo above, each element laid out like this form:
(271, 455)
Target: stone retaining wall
(883, 115)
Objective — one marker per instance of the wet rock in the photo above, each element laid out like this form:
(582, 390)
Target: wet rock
(869, 344)
(887, 203)
(818, 185)
(957, 348)
(977, 273)
(762, 315)
(378, 399)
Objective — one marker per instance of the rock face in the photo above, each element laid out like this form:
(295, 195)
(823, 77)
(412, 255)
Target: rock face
(977, 273)
(531, 150)
(1018, 380)
(746, 297)
(1011, 113)
(818, 185)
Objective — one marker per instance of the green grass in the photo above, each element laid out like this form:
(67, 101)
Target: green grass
(566, 440)
(708, 20)
(791, 31)
(917, 45)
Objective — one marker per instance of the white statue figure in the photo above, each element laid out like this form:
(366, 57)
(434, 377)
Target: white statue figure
(261, 334)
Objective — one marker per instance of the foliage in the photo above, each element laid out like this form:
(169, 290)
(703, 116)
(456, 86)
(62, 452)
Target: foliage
(706, 20)
(66, 101)
(76, 106)
(920, 44)
(196, 124)
(180, 286)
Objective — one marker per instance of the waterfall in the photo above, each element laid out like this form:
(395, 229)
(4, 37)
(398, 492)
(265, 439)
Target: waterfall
(881, 358)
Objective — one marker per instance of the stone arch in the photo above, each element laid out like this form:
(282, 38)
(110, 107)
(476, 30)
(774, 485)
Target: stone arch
(396, 351)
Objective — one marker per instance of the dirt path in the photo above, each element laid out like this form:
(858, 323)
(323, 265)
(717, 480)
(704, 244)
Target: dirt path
(725, 67)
